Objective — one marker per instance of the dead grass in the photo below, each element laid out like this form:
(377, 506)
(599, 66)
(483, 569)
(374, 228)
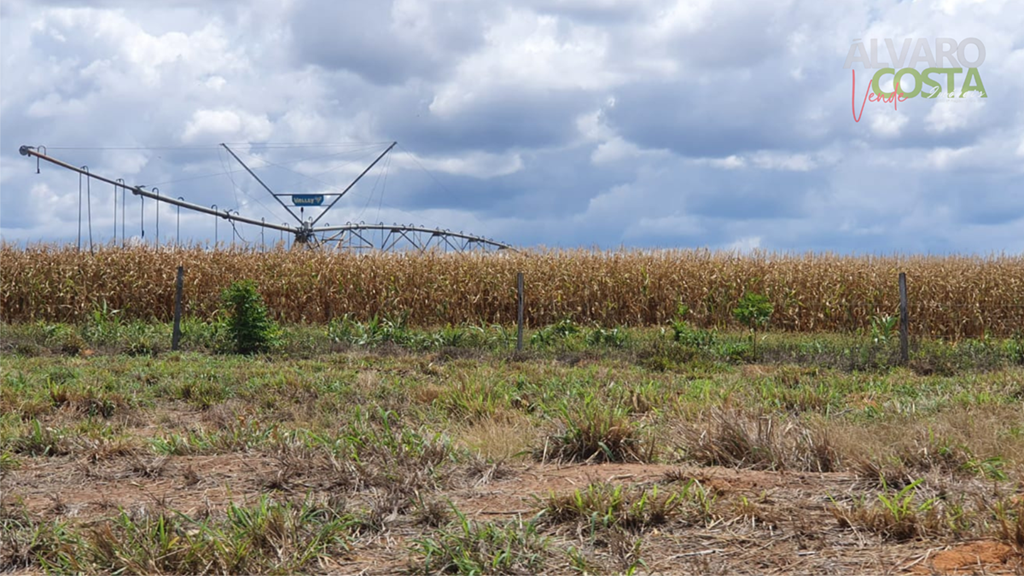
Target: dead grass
(503, 439)
(759, 441)
(431, 512)
(969, 442)
(1011, 525)
(148, 467)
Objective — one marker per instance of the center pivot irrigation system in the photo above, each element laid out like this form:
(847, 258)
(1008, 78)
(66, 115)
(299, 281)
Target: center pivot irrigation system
(306, 233)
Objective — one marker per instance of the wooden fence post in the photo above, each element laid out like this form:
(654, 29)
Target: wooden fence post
(904, 321)
(519, 295)
(179, 285)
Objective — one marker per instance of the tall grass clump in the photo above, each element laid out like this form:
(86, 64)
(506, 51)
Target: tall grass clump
(595, 432)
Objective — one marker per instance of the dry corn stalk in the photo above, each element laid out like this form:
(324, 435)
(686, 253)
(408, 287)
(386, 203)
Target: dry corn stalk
(950, 296)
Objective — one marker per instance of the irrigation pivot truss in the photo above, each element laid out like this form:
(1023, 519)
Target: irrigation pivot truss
(306, 233)
(362, 237)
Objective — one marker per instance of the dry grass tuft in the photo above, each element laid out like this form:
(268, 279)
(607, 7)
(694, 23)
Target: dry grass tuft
(431, 512)
(760, 442)
(499, 439)
(962, 442)
(1011, 526)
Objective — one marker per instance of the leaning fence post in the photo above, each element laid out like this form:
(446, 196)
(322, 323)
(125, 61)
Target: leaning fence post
(519, 316)
(904, 321)
(179, 284)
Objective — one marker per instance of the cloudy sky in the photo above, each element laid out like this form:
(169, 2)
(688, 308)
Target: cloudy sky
(637, 123)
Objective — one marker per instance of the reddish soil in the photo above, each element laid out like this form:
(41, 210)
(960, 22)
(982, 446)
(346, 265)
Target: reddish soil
(973, 558)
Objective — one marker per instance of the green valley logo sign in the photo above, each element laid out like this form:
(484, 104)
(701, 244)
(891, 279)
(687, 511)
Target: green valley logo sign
(926, 83)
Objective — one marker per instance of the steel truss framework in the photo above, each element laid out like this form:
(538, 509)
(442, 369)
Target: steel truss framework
(359, 237)
(363, 237)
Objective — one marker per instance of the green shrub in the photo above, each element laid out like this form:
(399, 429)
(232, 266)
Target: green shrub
(248, 325)
(753, 311)
(688, 335)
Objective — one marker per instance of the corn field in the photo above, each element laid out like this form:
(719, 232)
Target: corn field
(950, 296)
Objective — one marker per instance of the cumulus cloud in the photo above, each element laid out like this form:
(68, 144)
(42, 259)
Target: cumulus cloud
(953, 114)
(888, 124)
(528, 52)
(732, 162)
(228, 124)
(772, 160)
(475, 164)
(609, 122)
(745, 245)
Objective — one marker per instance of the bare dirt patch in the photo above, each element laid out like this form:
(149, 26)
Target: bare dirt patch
(974, 558)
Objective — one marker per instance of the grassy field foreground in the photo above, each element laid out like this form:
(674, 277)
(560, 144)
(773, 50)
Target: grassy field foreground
(357, 449)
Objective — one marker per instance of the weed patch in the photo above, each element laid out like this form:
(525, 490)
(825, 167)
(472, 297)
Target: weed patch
(467, 547)
(634, 509)
(265, 537)
(897, 515)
